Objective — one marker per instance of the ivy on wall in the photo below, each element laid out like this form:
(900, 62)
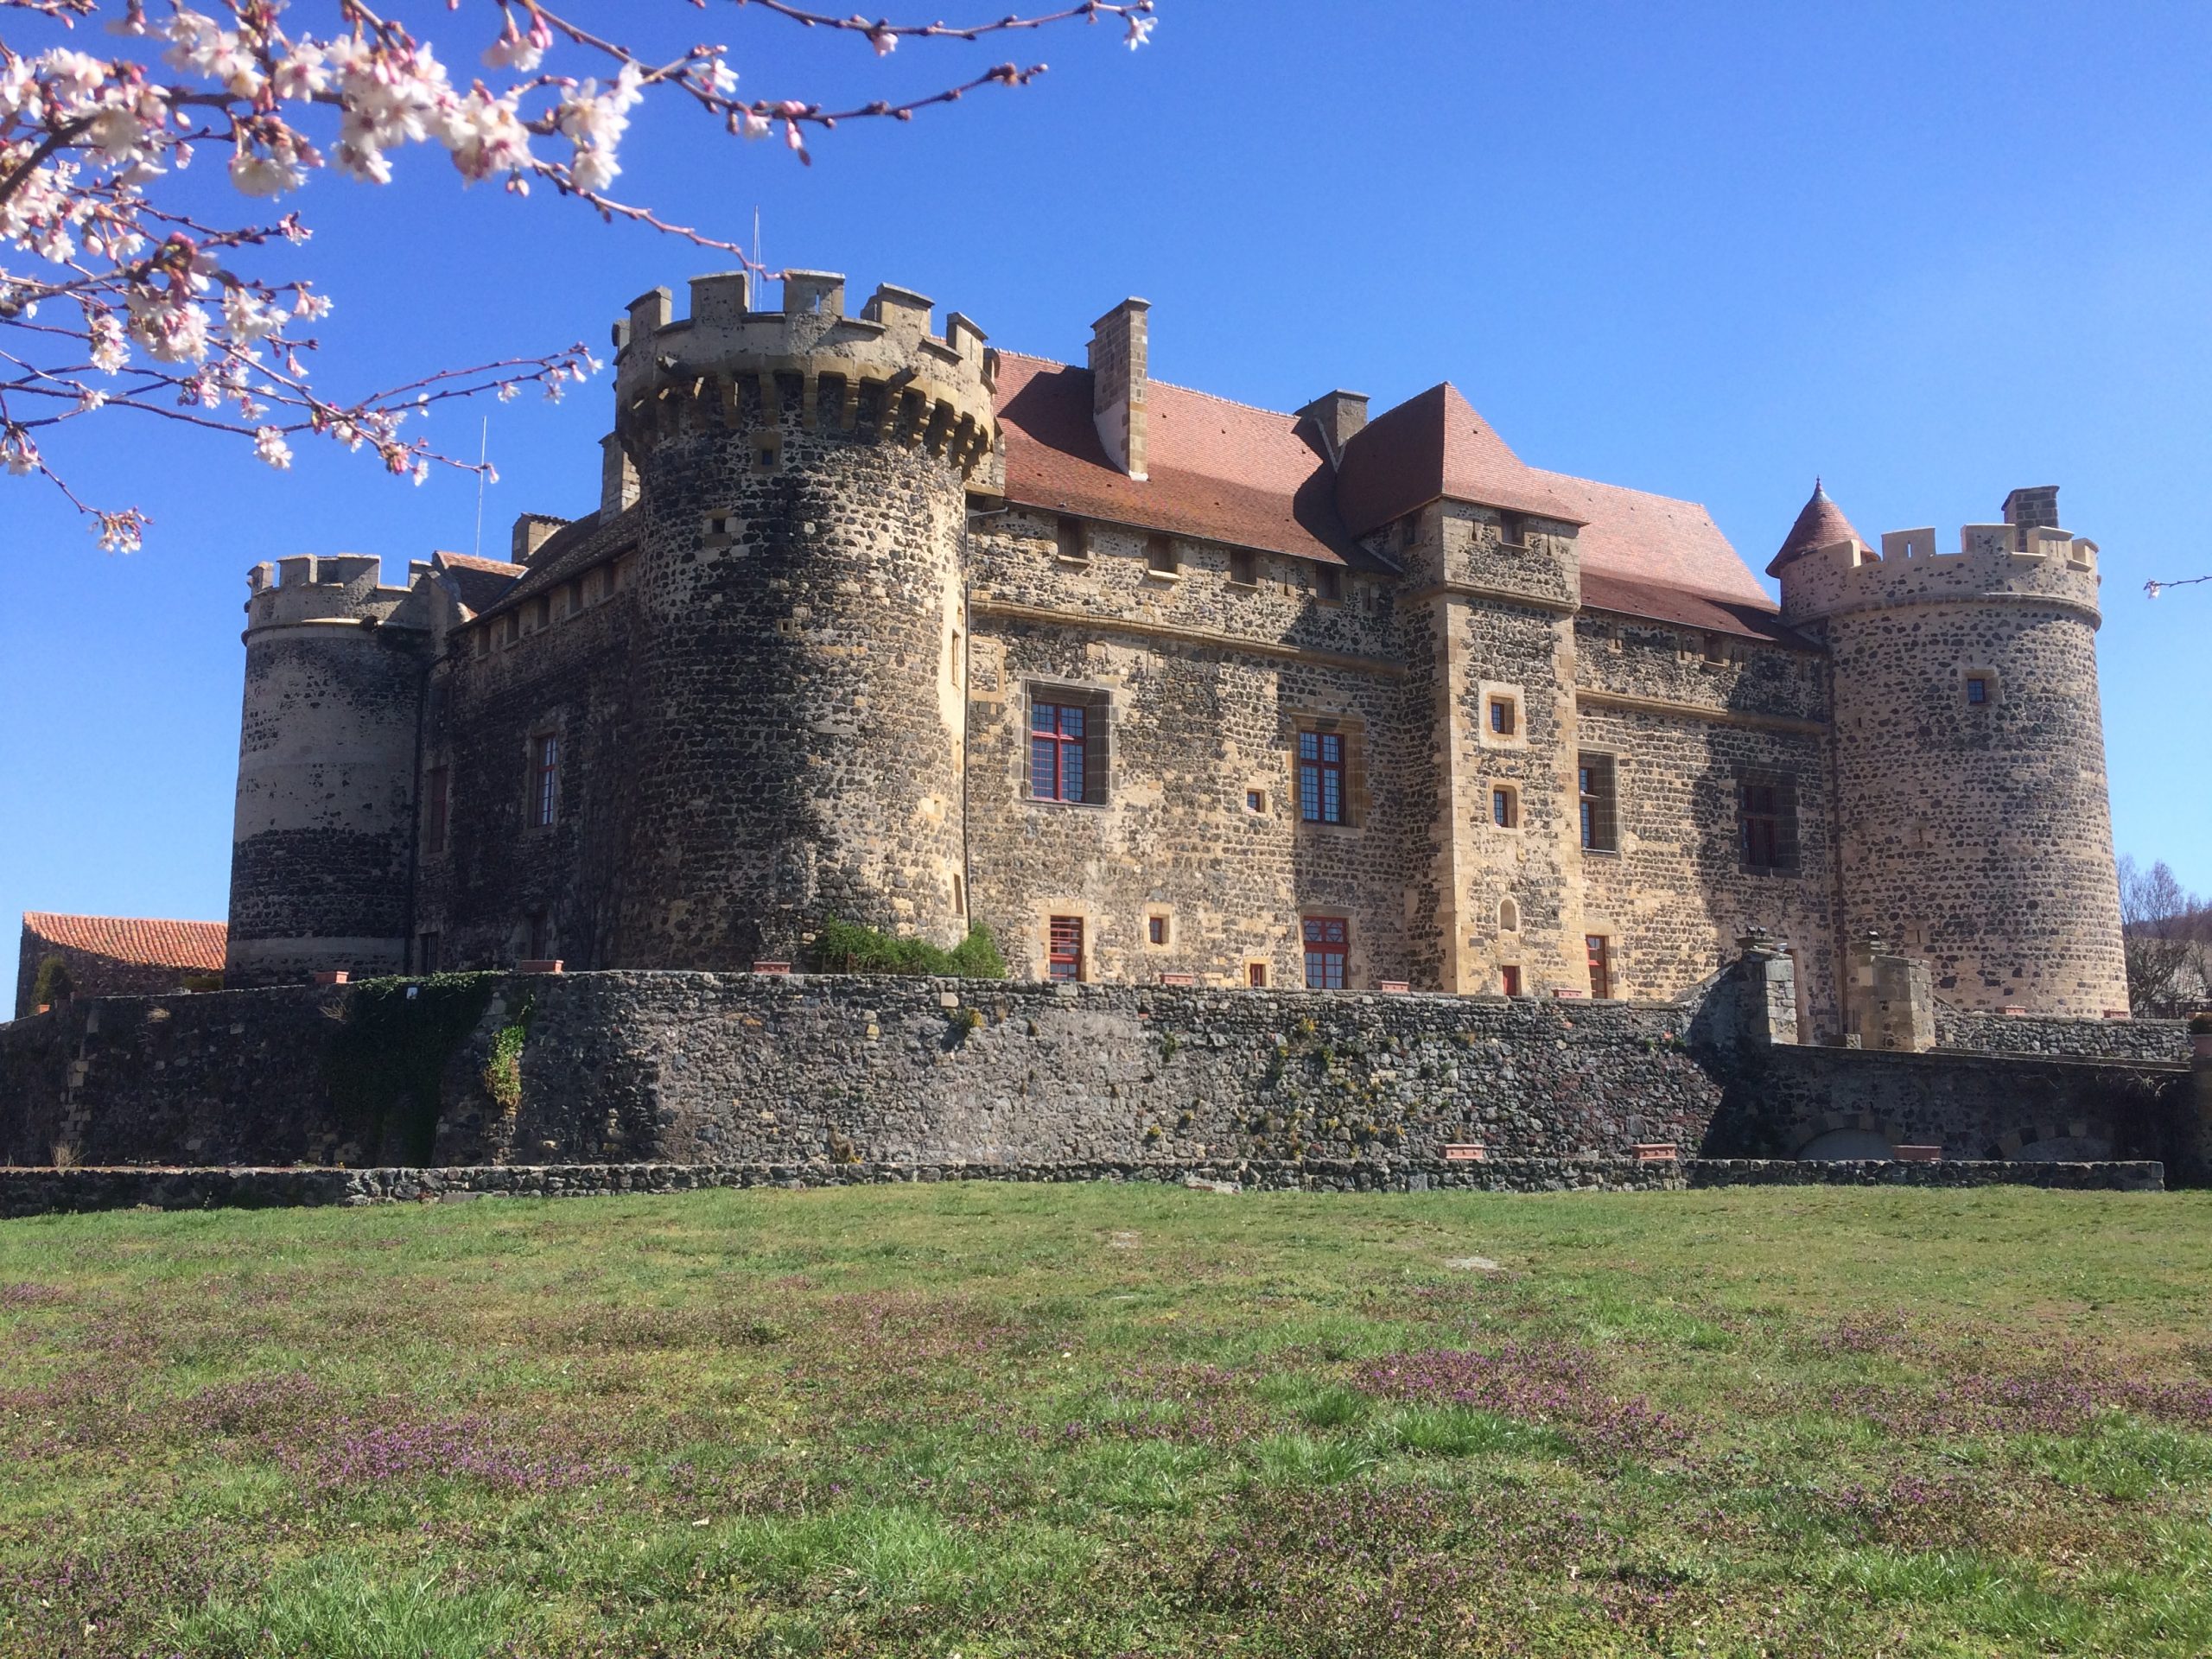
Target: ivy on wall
(393, 1040)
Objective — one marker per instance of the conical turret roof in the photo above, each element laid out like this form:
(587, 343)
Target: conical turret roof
(1821, 523)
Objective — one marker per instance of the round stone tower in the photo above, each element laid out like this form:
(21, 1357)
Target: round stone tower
(798, 720)
(323, 838)
(1974, 826)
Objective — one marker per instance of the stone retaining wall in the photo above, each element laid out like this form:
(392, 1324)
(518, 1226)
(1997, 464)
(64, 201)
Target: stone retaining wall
(1983, 1033)
(44, 1191)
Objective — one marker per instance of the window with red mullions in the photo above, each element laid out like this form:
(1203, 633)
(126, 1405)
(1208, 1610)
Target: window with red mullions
(1056, 752)
(1321, 777)
(1326, 939)
(1064, 954)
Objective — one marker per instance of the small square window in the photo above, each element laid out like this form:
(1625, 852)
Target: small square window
(1505, 808)
(1255, 800)
(1155, 929)
(1244, 568)
(1977, 689)
(1255, 976)
(721, 526)
(1160, 558)
(1512, 530)
(1071, 539)
(768, 451)
(1504, 718)
(1329, 584)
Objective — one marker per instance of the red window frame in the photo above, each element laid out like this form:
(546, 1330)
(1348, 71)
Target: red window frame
(1059, 752)
(1328, 945)
(545, 780)
(440, 790)
(1599, 950)
(1321, 777)
(1761, 821)
(1063, 948)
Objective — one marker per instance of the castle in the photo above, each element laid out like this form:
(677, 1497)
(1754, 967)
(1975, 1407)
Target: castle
(883, 624)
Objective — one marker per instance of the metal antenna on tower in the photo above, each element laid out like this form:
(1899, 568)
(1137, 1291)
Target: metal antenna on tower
(483, 453)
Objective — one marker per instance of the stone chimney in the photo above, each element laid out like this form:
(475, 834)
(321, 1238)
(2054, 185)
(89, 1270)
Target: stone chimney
(532, 530)
(1339, 414)
(2036, 504)
(618, 477)
(1118, 382)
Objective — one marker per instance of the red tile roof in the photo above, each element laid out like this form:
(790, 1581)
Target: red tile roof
(1820, 523)
(1220, 471)
(134, 939)
(1656, 539)
(478, 583)
(1710, 612)
(1430, 446)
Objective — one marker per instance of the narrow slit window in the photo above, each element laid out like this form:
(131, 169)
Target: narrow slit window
(1328, 942)
(545, 780)
(1064, 949)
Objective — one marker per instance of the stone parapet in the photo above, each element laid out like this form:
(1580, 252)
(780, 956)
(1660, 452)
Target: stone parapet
(2006, 563)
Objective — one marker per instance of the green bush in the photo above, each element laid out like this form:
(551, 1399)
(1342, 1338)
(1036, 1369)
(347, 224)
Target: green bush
(52, 984)
(849, 948)
(2201, 1022)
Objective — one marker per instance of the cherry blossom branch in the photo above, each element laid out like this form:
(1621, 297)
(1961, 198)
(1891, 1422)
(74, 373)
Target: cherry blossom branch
(150, 308)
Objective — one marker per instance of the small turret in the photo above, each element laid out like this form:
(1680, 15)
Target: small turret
(321, 849)
(1976, 831)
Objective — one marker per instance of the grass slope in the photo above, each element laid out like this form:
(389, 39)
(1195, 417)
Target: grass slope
(996, 1421)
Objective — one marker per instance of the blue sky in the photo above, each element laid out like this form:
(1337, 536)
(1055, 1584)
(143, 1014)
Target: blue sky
(1930, 252)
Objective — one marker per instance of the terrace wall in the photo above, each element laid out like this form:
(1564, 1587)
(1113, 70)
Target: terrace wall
(700, 1068)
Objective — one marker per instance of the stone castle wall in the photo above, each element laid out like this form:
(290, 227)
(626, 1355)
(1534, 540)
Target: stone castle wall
(704, 1069)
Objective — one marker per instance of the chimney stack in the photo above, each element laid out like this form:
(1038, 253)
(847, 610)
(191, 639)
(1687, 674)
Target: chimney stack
(2033, 505)
(1339, 415)
(618, 478)
(532, 530)
(1118, 383)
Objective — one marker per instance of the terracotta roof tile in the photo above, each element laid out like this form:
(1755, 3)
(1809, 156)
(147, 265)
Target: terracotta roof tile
(1710, 612)
(135, 940)
(1820, 523)
(1217, 470)
(1642, 537)
(478, 583)
(1435, 445)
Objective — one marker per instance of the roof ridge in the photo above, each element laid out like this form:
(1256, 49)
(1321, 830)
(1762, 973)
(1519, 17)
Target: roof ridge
(1172, 385)
(91, 916)
(1625, 489)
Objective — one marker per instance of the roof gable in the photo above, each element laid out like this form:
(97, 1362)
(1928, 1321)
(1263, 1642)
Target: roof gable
(1431, 447)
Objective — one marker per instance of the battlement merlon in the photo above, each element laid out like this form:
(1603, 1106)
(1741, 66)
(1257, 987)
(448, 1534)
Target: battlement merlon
(927, 388)
(1995, 563)
(336, 587)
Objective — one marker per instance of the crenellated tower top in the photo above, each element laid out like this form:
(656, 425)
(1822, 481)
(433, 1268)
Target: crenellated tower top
(328, 587)
(882, 375)
(2027, 557)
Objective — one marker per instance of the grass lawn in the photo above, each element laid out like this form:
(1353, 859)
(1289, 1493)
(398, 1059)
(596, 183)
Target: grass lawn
(1040, 1421)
